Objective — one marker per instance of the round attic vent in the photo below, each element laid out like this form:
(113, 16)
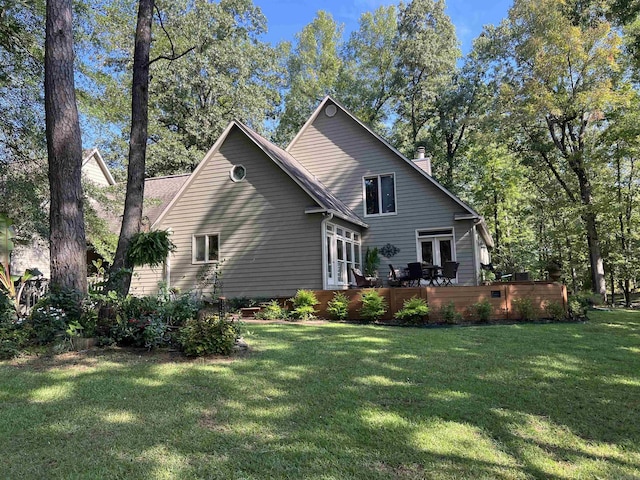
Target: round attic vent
(330, 111)
(238, 173)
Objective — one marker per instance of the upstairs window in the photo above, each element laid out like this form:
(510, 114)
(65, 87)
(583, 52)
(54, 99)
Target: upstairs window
(380, 194)
(205, 248)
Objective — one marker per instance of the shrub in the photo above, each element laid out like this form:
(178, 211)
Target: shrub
(374, 305)
(14, 337)
(338, 307)
(577, 311)
(524, 308)
(413, 311)
(209, 335)
(449, 314)
(554, 311)
(47, 323)
(303, 304)
(483, 310)
(272, 311)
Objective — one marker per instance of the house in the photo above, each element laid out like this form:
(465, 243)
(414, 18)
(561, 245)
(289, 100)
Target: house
(34, 252)
(274, 221)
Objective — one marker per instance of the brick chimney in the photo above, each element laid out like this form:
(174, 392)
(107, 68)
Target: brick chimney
(422, 161)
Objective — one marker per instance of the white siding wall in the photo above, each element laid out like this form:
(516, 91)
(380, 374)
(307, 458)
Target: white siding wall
(93, 172)
(269, 245)
(340, 152)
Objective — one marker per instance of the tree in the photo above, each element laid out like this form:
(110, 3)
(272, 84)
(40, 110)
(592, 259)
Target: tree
(427, 54)
(67, 241)
(121, 269)
(313, 65)
(369, 79)
(556, 84)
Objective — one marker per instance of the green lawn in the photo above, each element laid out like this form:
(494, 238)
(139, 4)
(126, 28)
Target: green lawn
(338, 401)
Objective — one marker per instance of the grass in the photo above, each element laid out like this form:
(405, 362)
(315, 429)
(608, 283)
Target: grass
(338, 401)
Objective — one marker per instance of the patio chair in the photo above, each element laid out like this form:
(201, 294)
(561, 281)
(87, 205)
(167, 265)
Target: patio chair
(415, 274)
(362, 281)
(449, 272)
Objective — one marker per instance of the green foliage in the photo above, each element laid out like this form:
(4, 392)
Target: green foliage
(554, 311)
(578, 305)
(524, 309)
(272, 311)
(313, 67)
(338, 307)
(374, 306)
(449, 314)
(48, 323)
(150, 248)
(303, 304)
(413, 311)
(371, 262)
(236, 303)
(483, 310)
(208, 336)
(14, 338)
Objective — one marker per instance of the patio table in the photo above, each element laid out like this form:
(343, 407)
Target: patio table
(431, 273)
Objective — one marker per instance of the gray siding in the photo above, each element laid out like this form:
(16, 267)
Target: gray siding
(270, 247)
(340, 153)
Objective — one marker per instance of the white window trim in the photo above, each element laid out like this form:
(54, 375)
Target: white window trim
(235, 179)
(454, 255)
(364, 195)
(206, 249)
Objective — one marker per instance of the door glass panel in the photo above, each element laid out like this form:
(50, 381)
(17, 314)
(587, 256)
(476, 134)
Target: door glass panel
(427, 252)
(445, 251)
(388, 194)
(340, 249)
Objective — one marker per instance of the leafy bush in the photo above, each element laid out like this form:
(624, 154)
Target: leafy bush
(413, 311)
(14, 337)
(374, 305)
(47, 323)
(7, 310)
(554, 311)
(235, 304)
(209, 335)
(449, 314)
(338, 307)
(272, 311)
(303, 303)
(577, 311)
(483, 310)
(524, 308)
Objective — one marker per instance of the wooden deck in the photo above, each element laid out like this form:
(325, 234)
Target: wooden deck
(501, 296)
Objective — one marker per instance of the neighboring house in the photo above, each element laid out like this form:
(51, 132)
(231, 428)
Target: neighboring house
(35, 252)
(276, 220)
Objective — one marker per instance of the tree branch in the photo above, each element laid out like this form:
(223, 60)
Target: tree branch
(173, 50)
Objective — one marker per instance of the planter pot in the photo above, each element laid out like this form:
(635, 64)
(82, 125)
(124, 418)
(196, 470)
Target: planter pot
(80, 343)
(554, 275)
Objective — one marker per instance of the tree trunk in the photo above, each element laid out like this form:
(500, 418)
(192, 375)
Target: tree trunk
(121, 269)
(64, 147)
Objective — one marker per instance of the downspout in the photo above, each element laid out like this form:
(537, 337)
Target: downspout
(323, 231)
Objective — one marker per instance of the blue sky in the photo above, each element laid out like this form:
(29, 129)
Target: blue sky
(287, 17)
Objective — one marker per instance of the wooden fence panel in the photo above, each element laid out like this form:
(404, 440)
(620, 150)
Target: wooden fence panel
(500, 295)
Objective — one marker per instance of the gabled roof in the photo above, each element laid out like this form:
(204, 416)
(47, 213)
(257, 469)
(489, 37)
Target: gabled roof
(473, 214)
(158, 193)
(87, 155)
(327, 201)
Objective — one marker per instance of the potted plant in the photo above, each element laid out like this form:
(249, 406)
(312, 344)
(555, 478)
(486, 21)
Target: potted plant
(371, 262)
(554, 269)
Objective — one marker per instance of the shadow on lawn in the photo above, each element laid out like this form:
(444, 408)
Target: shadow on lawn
(545, 401)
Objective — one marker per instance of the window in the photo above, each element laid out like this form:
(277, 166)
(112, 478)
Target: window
(343, 254)
(205, 248)
(238, 173)
(380, 194)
